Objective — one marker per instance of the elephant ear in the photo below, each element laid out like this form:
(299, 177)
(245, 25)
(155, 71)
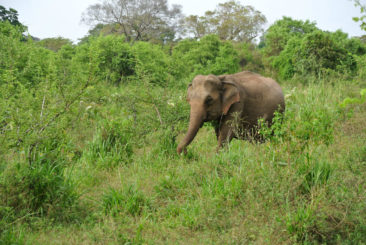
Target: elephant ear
(230, 96)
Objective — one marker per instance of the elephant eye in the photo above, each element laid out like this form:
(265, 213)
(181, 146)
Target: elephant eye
(208, 100)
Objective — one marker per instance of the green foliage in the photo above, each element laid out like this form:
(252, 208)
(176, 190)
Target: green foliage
(316, 176)
(86, 157)
(279, 34)
(206, 56)
(37, 109)
(41, 189)
(20, 62)
(229, 21)
(152, 63)
(315, 54)
(297, 48)
(361, 67)
(114, 58)
(167, 143)
(10, 16)
(276, 131)
(10, 31)
(112, 144)
(250, 57)
(351, 45)
(301, 223)
(349, 101)
(361, 19)
(130, 201)
(54, 44)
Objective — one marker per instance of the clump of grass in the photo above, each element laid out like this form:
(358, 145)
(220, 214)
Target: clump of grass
(41, 187)
(129, 201)
(112, 145)
(314, 176)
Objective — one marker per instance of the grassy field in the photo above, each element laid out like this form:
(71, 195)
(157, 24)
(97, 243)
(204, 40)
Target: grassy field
(88, 138)
(305, 185)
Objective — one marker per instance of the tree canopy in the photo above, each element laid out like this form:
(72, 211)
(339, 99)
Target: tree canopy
(361, 19)
(230, 21)
(54, 44)
(10, 15)
(278, 34)
(136, 19)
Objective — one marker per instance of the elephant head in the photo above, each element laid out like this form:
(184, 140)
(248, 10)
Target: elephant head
(210, 97)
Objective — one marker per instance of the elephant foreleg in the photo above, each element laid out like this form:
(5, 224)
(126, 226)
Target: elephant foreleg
(217, 131)
(225, 135)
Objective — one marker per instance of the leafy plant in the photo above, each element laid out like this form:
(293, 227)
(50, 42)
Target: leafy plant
(112, 145)
(317, 175)
(151, 63)
(315, 54)
(208, 55)
(349, 101)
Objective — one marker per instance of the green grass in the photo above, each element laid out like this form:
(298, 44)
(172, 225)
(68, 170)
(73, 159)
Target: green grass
(305, 185)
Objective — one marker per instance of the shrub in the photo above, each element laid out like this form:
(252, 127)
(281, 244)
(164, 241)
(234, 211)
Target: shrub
(279, 34)
(315, 54)
(22, 61)
(250, 57)
(113, 57)
(151, 63)
(206, 56)
(352, 45)
(361, 67)
(41, 188)
(112, 143)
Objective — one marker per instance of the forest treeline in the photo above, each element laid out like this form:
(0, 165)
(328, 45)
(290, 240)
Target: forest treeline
(88, 131)
(215, 43)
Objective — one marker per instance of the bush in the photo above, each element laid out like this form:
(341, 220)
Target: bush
(315, 54)
(41, 188)
(361, 67)
(151, 63)
(114, 58)
(112, 144)
(352, 45)
(22, 61)
(206, 56)
(250, 57)
(279, 34)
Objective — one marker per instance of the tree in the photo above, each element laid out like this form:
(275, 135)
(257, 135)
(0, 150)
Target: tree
(317, 53)
(11, 16)
(363, 38)
(361, 19)
(230, 21)
(278, 34)
(209, 55)
(137, 19)
(54, 44)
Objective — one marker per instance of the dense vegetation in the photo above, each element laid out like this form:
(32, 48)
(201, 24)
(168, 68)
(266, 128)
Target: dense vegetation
(88, 134)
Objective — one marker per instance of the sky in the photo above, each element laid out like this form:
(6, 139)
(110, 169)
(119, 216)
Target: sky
(54, 18)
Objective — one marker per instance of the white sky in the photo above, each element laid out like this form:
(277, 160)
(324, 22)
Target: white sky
(53, 18)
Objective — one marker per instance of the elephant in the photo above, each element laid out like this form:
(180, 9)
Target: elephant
(246, 96)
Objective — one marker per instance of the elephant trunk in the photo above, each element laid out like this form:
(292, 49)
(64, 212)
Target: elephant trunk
(195, 121)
